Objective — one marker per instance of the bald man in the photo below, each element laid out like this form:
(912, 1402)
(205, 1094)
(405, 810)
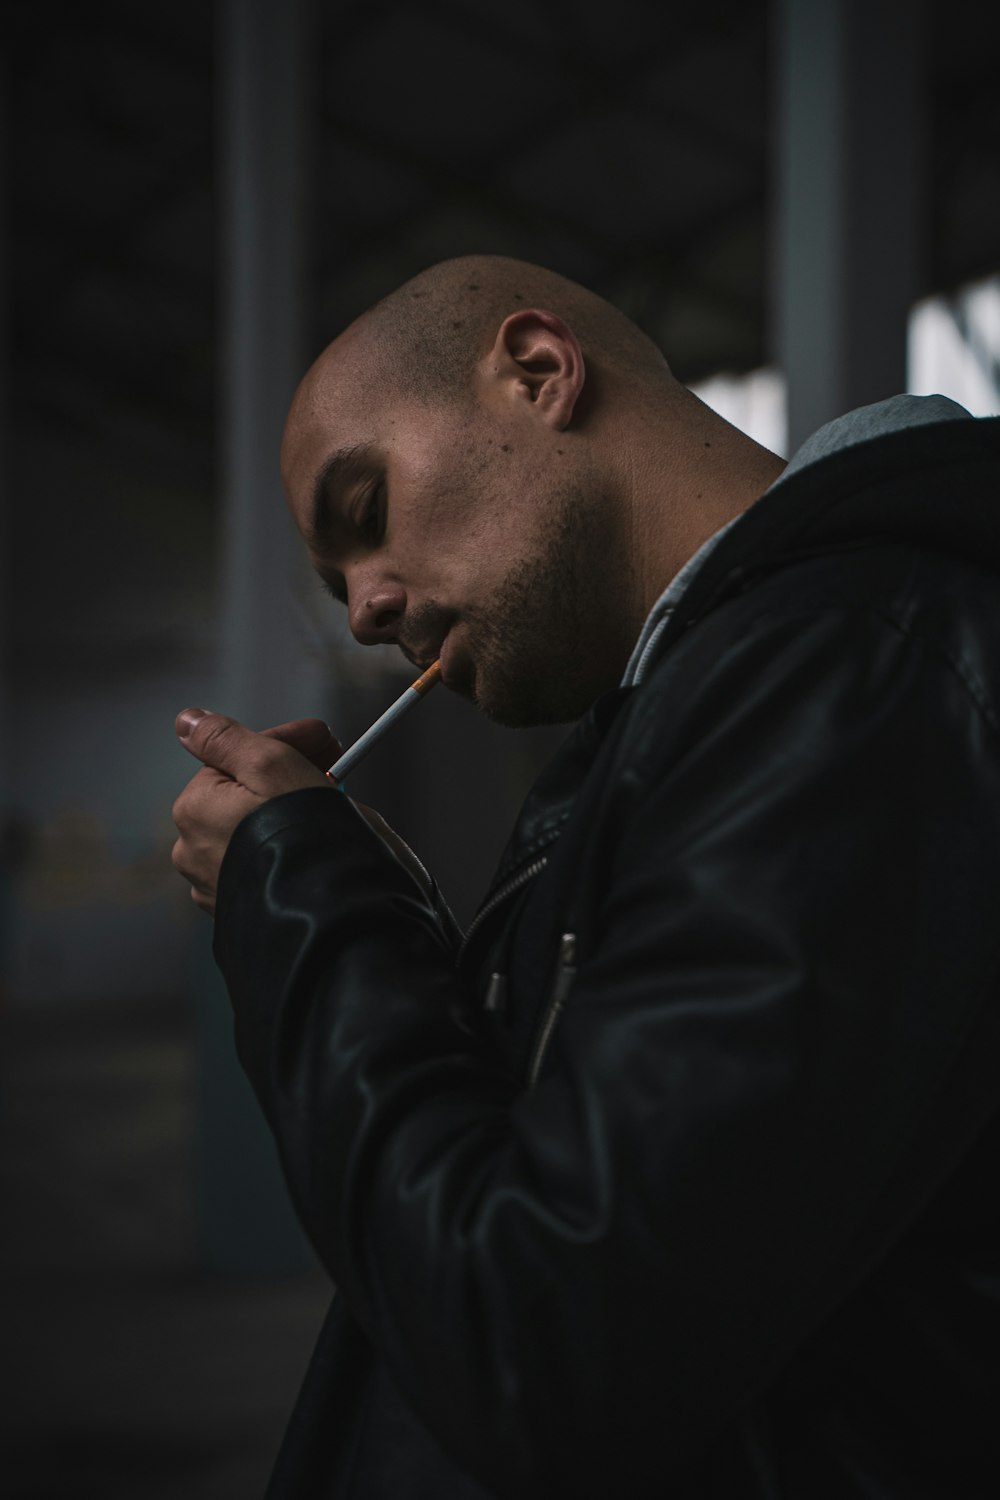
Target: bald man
(674, 1175)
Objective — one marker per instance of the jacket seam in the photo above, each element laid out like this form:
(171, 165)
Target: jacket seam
(974, 687)
(970, 681)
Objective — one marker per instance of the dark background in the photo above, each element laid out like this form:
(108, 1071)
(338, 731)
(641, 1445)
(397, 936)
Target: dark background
(148, 1347)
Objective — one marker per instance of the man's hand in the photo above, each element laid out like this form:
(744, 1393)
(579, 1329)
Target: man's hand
(241, 769)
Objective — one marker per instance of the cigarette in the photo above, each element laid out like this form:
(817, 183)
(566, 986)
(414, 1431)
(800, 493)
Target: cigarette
(361, 747)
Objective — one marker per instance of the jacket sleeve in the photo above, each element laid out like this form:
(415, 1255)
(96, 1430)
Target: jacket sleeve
(760, 1076)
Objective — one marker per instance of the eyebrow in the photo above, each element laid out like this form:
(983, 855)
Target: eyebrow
(340, 468)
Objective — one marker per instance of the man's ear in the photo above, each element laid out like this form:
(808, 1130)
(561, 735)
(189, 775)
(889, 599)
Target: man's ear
(538, 359)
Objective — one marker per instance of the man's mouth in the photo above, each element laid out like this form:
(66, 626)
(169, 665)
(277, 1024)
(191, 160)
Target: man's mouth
(425, 655)
(444, 656)
(423, 659)
(443, 651)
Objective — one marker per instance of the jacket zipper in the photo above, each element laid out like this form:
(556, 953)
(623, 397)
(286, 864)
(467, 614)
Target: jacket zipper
(510, 885)
(563, 983)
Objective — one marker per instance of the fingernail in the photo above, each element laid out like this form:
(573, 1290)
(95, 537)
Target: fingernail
(186, 721)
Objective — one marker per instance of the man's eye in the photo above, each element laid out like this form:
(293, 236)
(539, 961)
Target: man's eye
(371, 517)
(335, 590)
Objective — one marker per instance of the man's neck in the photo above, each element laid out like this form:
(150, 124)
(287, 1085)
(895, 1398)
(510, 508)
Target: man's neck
(699, 472)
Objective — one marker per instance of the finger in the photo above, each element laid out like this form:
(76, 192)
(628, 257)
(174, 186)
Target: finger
(202, 897)
(311, 738)
(204, 903)
(190, 801)
(194, 864)
(206, 814)
(260, 763)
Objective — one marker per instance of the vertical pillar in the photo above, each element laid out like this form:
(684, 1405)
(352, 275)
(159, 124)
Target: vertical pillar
(849, 110)
(244, 1220)
(263, 81)
(6, 892)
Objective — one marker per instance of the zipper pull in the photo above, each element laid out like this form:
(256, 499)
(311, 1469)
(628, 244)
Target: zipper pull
(566, 972)
(558, 995)
(496, 994)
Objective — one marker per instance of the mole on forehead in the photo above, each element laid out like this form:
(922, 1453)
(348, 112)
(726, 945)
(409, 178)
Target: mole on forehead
(337, 471)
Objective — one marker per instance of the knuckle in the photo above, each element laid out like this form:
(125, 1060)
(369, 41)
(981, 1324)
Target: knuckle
(215, 729)
(185, 809)
(202, 902)
(270, 755)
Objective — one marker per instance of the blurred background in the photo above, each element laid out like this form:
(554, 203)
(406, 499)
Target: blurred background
(799, 200)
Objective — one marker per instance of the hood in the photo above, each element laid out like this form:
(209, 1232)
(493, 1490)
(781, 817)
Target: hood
(935, 486)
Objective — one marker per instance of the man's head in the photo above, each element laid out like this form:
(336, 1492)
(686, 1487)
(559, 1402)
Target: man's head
(429, 335)
(465, 464)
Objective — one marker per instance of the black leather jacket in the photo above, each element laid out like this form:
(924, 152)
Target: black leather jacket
(683, 1180)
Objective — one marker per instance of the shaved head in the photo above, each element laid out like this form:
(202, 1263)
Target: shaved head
(427, 336)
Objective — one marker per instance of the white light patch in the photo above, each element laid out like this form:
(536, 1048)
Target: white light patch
(755, 403)
(954, 348)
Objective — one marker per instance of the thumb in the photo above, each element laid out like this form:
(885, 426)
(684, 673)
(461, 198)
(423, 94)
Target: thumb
(258, 762)
(214, 739)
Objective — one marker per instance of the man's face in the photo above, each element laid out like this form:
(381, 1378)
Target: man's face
(463, 532)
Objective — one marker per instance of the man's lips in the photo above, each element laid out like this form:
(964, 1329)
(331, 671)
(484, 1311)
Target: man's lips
(444, 656)
(444, 652)
(422, 659)
(425, 656)
(441, 653)
(439, 636)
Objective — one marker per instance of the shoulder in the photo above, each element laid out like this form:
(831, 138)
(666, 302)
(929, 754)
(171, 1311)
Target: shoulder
(837, 636)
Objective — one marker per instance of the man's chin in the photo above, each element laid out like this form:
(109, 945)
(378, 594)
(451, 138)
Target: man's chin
(510, 705)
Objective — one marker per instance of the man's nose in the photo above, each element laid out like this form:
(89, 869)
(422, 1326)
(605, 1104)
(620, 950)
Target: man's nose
(375, 610)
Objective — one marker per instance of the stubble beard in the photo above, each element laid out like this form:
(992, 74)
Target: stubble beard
(554, 635)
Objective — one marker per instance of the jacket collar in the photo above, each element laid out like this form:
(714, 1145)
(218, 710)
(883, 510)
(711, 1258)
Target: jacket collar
(935, 486)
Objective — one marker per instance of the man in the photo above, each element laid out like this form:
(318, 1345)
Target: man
(674, 1175)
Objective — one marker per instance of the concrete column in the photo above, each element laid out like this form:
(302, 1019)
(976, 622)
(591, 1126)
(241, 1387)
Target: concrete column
(263, 129)
(849, 160)
(244, 1220)
(6, 852)
(4, 431)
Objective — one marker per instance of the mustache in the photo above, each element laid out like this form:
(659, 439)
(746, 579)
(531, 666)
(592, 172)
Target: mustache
(422, 632)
